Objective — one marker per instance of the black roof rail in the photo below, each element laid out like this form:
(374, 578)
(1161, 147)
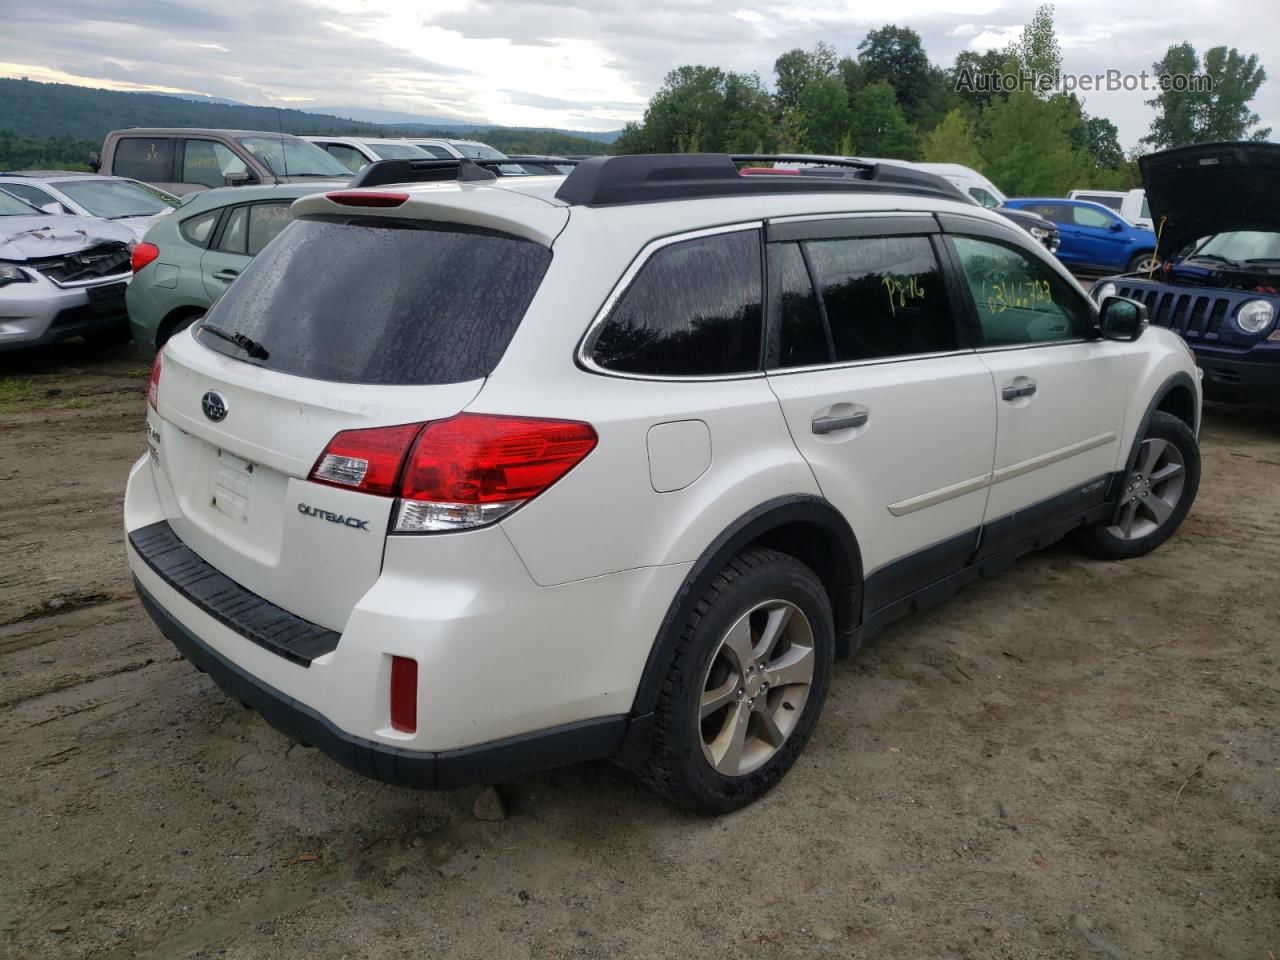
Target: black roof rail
(641, 178)
(429, 170)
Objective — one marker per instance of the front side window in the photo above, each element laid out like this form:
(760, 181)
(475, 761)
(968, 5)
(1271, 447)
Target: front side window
(207, 162)
(1091, 217)
(883, 296)
(144, 158)
(1019, 298)
(694, 309)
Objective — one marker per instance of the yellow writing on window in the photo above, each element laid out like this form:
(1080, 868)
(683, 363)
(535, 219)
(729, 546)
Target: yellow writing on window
(902, 289)
(1024, 295)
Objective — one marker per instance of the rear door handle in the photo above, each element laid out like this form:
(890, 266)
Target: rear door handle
(832, 424)
(227, 275)
(1015, 391)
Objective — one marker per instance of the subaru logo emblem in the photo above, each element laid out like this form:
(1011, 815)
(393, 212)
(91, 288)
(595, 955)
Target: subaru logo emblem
(214, 406)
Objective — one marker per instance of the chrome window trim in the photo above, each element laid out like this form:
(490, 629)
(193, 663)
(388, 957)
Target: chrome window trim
(869, 362)
(587, 342)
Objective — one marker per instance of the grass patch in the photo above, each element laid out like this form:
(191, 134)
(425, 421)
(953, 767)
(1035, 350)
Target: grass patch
(18, 395)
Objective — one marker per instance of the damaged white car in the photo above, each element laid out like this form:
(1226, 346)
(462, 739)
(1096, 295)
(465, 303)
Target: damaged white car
(61, 276)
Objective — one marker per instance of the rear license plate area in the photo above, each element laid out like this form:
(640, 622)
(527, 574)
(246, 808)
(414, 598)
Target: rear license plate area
(231, 486)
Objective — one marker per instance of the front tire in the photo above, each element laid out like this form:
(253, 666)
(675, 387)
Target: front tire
(1156, 495)
(1144, 263)
(746, 686)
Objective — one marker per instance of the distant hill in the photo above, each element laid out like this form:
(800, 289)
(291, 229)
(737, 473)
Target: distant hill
(31, 109)
(410, 121)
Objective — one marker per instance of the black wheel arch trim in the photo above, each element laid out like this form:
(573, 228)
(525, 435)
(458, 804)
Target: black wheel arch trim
(804, 509)
(1174, 381)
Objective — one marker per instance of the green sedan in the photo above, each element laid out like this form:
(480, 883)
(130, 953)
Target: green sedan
(189, 257)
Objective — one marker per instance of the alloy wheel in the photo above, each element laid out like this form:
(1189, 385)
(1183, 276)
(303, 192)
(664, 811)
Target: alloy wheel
(1152, 491)
(756, 687)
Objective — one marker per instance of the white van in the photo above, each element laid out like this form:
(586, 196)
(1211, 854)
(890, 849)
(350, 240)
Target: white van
(1130, 204)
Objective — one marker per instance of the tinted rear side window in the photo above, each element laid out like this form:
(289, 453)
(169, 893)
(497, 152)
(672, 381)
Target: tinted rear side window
(884, 297)
(802, 336)
(693, 310)
(362, 300)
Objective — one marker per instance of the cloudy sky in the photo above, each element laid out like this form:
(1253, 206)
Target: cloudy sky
(582, 64)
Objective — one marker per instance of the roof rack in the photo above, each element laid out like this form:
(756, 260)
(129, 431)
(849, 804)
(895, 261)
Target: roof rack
(461, 169)
(642, 178)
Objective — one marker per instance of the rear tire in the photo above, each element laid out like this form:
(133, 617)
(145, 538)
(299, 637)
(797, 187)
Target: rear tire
(176, 326)
(1156, 495)
(746, 686)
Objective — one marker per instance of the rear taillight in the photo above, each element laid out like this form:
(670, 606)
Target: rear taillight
(153, 384)
(366, 460)
(455, 474)
(143, 253)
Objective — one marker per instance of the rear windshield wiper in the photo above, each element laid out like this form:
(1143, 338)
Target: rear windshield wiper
(250, 346)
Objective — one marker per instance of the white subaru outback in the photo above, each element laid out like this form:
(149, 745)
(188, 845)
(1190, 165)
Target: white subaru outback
(466, 479)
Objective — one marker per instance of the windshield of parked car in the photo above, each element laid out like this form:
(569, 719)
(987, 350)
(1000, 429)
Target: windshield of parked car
(294, 158)
(113, 199)
(11, 206)
(397, 151)
(478, 151)
(1241, 246)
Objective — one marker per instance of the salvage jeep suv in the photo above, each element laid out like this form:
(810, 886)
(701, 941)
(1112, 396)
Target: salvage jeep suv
(465, 479)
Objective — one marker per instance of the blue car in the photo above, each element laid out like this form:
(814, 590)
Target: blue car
(1220, 287)
(1093, 239)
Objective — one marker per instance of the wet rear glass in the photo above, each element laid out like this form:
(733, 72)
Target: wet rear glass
(364, 300)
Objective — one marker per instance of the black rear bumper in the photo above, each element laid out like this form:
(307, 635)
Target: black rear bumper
(485, 763)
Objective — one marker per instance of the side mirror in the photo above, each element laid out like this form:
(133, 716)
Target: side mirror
(95, 162)
(53, 207)
(1116, 226)
(236, 179)
(1120, 318)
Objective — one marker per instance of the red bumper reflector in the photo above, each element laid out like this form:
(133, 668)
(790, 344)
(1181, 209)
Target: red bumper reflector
(404, 694)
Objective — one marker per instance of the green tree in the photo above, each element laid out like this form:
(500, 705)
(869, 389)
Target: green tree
(812, 98)
(974, 78)
(702, 109)
(1216, 110)
(896, 56)
(1104, 143)
(879, 127)
(1025, 148)
(1037, 52)
(954, 140)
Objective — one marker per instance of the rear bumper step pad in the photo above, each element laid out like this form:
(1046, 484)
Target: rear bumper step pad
(297, 640)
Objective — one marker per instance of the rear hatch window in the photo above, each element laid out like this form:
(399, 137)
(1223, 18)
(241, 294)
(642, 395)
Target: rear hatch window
(379, 301)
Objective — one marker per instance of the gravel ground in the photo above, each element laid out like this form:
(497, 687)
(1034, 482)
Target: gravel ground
(1074, 760)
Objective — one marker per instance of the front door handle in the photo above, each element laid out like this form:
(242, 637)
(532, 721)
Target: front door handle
(1015, 391)
(832, 424)
(226, 275)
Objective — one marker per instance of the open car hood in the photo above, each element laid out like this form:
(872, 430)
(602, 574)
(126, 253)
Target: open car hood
(44, 235)
(1210, 188)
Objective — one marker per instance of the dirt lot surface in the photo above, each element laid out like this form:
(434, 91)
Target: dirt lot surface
(1075, 760)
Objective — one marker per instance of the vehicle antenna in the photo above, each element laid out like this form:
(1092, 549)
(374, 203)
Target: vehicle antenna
(284, 157)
